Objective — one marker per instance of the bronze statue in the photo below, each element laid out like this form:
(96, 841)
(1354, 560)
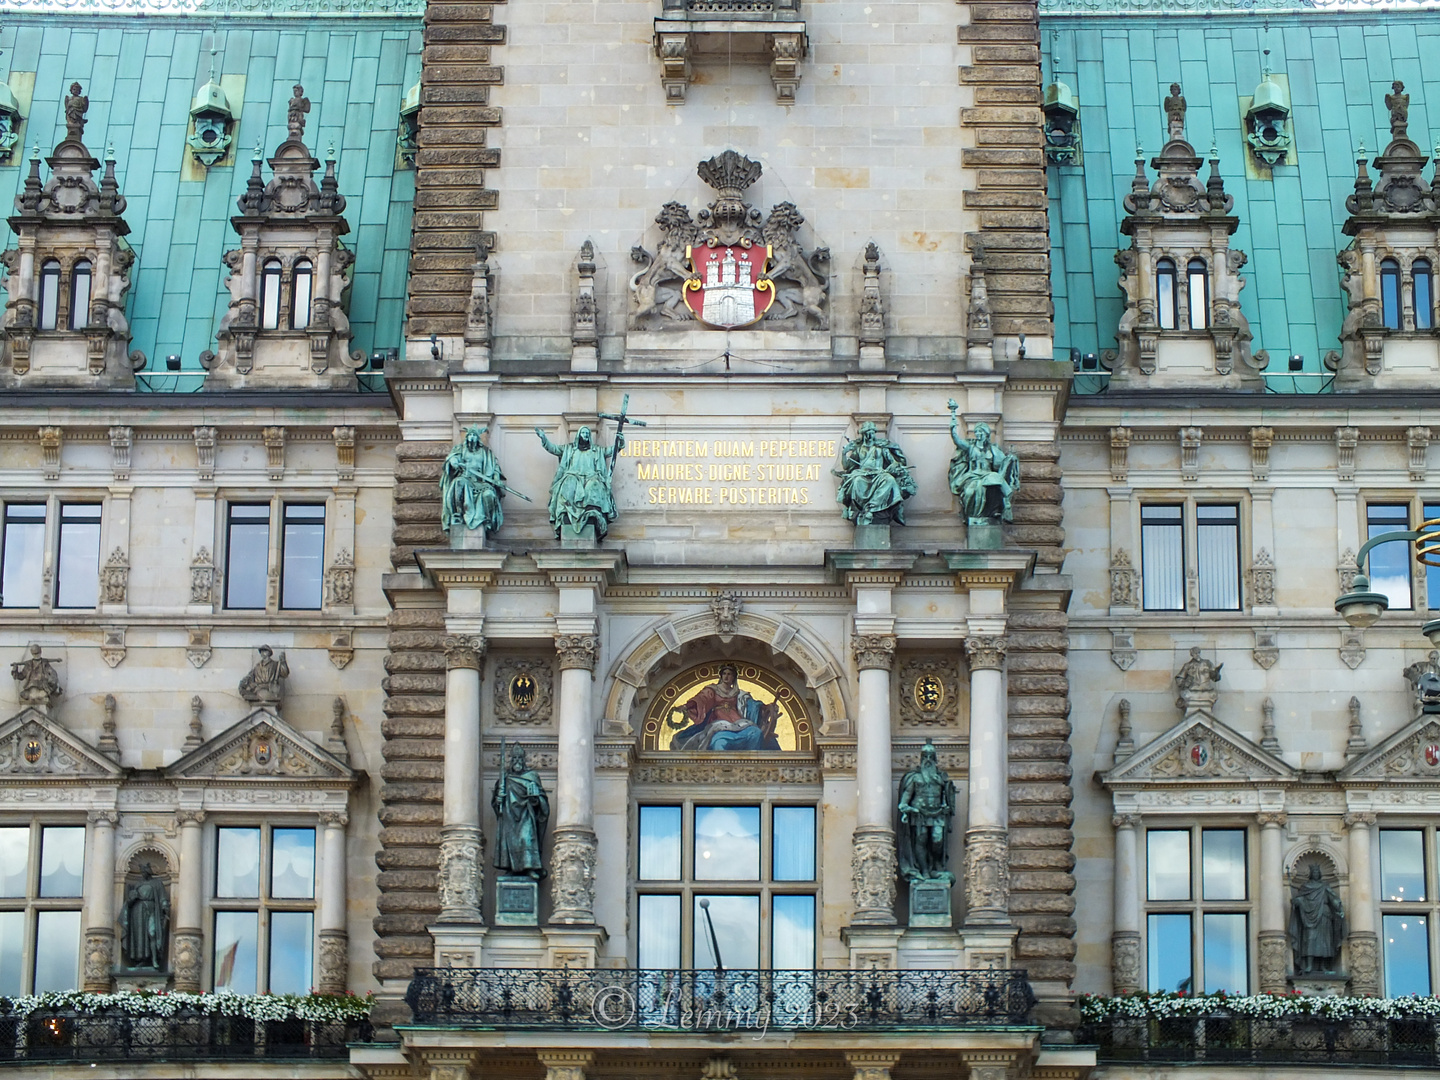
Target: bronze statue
(263, 682)
(983, 475)
(522, 810)
(145, 922)
(39, 684)
(875, 479)
(1175, 112)
(581, 496)
(1317, 922)
(927, 805)
(472, 485)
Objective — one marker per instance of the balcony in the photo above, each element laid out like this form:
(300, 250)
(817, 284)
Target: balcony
(606, 999)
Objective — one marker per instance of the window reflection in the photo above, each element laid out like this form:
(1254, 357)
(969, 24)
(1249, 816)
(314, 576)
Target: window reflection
(792, 933)
(1222, 865)
(1226, 958)
(62, 861)
(292, 865)
(737, 931)
(303, 558)
(57, 950)
(1169, 951)
(727, 843)
(20, 577)
(1167, 861)
(12, 953)
(290, 936)
(77, 584)
(14, 861)
(1390, 563)
(659, 937)
(660, 843)
(793, 844)
(237, 866)
(247, 557)
(1407, 955)
(1402, 864)
(235, 945)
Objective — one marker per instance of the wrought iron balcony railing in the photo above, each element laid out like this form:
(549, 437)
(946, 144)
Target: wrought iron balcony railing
(70, 1036)
(605, 999)
(1222, 1038)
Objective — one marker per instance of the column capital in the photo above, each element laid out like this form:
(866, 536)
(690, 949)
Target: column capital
(1359, 819)
(1126, 821)
(110, 818)
(1272, 819)
(464, 651)
(580, 651)
(334, 819)
(874, 650)
(986, 653)
(190, 817)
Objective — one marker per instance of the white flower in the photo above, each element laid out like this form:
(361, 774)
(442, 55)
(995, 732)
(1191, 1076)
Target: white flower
(318, 1008)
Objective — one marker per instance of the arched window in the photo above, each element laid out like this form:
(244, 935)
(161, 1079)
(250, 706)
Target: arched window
(270, 295)
(1197, 279)
(49, 294)
(1424, 294)
(1165, 293)
(304, 286)
(1390, 293)
(80, 279)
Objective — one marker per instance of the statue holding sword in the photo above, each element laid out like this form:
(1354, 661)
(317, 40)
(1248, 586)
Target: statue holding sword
(472, 485)
(581, 495)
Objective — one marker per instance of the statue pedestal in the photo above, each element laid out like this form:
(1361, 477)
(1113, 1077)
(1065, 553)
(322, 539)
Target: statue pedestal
(1321, 984)
(583, 540)
(872, 537)
(463, 539)
(930, 903)
(984, 535)
(134, 979)
(517, 901)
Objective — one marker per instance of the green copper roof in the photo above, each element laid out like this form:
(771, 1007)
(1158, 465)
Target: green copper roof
(1339, 68)
(141, 76)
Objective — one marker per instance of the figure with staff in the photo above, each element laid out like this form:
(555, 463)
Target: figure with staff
(581, 495)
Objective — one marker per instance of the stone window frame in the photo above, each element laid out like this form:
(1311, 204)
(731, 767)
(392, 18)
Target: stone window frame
(1405, 260)
(53, 501)
(1190, 547)
(275, 552)
(1429, 908)
(66, 261)
(288, 259)
(33, 903)
(1417, 501)
(1180, 260)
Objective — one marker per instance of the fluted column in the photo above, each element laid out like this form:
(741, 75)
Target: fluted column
(334, 938)
(987, 855)
(1125, 939)
(189, 902)
(1274, 947)
(873, 864)
(1364, 944)
(462, 845)
(572, 871)
(100, 902)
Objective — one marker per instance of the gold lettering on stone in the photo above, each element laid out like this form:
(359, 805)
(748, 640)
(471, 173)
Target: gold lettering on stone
(733, 473)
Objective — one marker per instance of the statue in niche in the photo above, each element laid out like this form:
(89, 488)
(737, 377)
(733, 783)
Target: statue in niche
(927, 805)
(1317, 922)
(145, 921)
(472, 485)
(724, 717)
(39, 682)
(263, 682)
(522, 810)
(985, 476)
(875, 479)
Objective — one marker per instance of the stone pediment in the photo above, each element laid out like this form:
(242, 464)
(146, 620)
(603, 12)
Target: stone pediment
(32, 745)
(1412, 753)
(261, 747)
(1199, 749)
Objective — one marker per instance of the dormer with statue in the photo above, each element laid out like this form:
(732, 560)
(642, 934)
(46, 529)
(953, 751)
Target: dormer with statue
(1182, 327)
(69, 272)
(286, 326)
(1388, 339)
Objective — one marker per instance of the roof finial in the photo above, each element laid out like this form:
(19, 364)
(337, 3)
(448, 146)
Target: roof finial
(1175, 112)
(1265, 67)
(76, 106)
(295, 116)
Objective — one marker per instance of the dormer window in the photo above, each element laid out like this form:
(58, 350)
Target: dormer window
(80, 287)
(1424, 294)
(1165, 293)
(1390, 293)
(270, 295)
(49, 295)
(303, 279)
(1197, 279)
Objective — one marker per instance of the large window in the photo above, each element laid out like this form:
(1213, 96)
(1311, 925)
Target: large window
(41, 882)
(302, 557)
(247, 556)
(270, 295)
(264, 909)
(22, 559)
(77, 582)
(1162, 557)
(737, 878)
(77, 556)
(1164, 540)
(1217, 556)
(302, 290)
(1197, 910)
(1389, 563)
(1407, 903)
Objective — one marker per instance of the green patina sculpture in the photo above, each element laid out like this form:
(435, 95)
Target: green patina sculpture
(522, 810)
(927, 805)
(875, 479)
(145, 922)
(985, 476)
(581, 496)
(472, 485)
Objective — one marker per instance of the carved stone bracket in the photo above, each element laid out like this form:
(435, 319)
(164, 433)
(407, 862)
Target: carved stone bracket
(274, 439)
(344, 452)
(678, 41)
(985, 653)
(726, 608)
(1190, 438)
(1119, 454)
(113, 650)
(1261, 439)
(197, 649)
(205, 452)
(874, 651)
(572, 876)
(1122, 648)
(1352, 647)
(50, 439)
(342, 648)
(121, 439)
(1418, 439)
(577, 651)
(464, 651)
(1346, 439)
(873, 870)
(462, 849)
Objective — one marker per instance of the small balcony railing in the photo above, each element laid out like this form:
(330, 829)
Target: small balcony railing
(606, 999)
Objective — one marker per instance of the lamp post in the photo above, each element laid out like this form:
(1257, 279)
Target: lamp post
(1361, 607)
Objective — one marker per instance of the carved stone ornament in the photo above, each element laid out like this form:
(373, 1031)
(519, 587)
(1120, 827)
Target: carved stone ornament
(572, 876)
(577, 651)
(1273, 962)
(985, 653)
(524, 690)
(261, 746)
(333, 961)
(1262, 580)
(464, 651)
(265, 682)
(197, 648)
(462, 851)
(1124, 580)
(874, 869)
(185, 956)
(1420, 676)
(39, 682)
(1125, 961)
(726, 608)
(928, 690)
(987, 876)
(33, 745)
(115, 578)
(202, 578)
(1203, 749)
(1412, 753)
(1364, 964)
(874, 651)
(340, 580)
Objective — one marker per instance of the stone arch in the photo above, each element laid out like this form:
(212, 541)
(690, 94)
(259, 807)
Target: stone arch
(823, 677)
(162, 860)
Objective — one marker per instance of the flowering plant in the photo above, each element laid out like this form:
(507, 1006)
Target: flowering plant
(1147, 1006)
(321, 1008)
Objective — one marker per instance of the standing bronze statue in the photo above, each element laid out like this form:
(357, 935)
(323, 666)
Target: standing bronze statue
(875, 479)
(927, 805)
(472, 485)
(522, 810)
(1317, 922)
(984, 475)
(145, 922)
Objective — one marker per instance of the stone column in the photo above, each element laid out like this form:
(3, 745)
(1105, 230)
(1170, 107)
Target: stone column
(446, 1064)
(873, 864)
(1274, 947)
(991, 1064)
(987, 855)
(462, 846)
(1364, 944)
(565, 1064)
(871, 1066)
(334, 938)
(572, 858)
(1125, 940)
(100, 902)
(189, 902)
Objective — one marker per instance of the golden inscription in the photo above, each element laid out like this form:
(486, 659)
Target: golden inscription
(730, 472)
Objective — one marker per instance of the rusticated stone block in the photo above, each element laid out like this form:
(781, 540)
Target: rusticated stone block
(407, 858)
(1025, 772)
(394, 970)
(1041, 859)
(1039, 684)
(405, 880)
(414, 660)
(430, 727)
(401, 771)
(1046, 924)
(1051, 971)
(1051, 816)
(1039, 706)
(400, 924)
(415, 706)
(1032, 749)
(414, 750)
(1031, 947)
(1015, 661)
(1041, 903)
(416, 947)
(399, 901)
(405, 835)
(1039, 793)
(410, 814)
(413, 792)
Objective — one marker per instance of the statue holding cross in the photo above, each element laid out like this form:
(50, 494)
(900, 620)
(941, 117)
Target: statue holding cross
(581, 495)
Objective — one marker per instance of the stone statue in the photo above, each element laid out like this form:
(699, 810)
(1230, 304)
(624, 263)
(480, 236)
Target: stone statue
(1398, 102)
(145, 922)
(580, 495)
(983, 475)
(927, 804)
(76, 105)
(1316, 924)
(295, 114)
(875, 479)
(1175, 112)
(39, 684)
(472, 485)
(262, 684)
(1196, 676)
(522, 810)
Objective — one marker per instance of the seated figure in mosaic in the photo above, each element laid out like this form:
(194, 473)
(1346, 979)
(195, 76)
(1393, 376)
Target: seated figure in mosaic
(725, 717)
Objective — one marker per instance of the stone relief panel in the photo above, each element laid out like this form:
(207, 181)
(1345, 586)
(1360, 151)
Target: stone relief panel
(929, 689)
(523, 690)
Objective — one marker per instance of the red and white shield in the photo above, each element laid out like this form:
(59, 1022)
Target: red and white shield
(1432, 755)
(729, 289)
(1199, 755)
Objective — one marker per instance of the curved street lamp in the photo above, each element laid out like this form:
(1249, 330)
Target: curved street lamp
(1361, 607)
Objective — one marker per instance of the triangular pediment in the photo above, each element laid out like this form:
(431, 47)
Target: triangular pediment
(33, 745)
(1199, 749)
(1412, 753)
(260, 747)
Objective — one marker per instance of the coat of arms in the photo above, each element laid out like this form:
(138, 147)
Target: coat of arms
(729, 290)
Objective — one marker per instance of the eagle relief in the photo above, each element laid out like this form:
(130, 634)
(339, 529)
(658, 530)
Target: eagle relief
(725, 707)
